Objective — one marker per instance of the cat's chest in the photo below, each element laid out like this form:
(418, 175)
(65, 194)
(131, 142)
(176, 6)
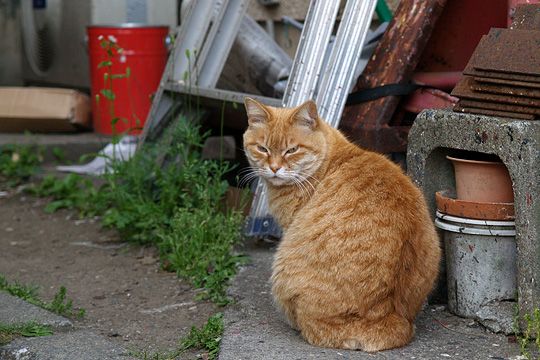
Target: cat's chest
(284, 205)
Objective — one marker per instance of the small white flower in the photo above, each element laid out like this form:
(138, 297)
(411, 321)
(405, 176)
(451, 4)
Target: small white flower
(100, 37)
(111, 38)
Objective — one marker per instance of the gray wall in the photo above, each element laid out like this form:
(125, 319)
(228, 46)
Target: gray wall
(10, 44)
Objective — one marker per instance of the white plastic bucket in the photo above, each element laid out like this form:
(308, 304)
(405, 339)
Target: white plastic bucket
(480, 262)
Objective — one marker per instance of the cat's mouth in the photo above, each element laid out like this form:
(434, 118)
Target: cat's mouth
(276, 179)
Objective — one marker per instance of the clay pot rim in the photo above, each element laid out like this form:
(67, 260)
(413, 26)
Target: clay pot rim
(451, 158)
(447, 203)
(495, 163)
(450, 195)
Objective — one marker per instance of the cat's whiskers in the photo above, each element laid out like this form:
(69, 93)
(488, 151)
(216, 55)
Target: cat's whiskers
(300, 182)
(304, 180)
(309, 176)
(248, 169)
(252, 173)
(247, 179)
(300, 186)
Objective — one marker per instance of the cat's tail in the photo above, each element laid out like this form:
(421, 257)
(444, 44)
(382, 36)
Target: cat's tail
(390, 331)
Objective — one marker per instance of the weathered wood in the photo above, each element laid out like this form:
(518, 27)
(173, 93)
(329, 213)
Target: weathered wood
(393, 61)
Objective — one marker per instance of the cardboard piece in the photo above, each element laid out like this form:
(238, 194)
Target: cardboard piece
(38, 109)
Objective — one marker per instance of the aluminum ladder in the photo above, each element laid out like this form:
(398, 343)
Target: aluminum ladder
(203, 43)
(311, 74)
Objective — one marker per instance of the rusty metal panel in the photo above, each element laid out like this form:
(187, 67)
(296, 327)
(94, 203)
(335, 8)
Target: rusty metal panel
(509, 51)
(459, 108)
(472, 71)
(499, 106)
(463, 90)
(393, 61)
(506, 90)
(527, 16)
(504, 71)
(507, 82)
(500, 75)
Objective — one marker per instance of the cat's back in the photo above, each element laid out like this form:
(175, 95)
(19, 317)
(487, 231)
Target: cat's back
(369, 180)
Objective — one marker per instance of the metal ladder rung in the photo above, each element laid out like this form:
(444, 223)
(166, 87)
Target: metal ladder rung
(218, 94)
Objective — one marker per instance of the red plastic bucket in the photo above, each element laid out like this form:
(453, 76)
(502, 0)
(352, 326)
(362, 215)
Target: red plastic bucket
(144, 52)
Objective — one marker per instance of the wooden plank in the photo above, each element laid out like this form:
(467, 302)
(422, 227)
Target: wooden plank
(393, 61)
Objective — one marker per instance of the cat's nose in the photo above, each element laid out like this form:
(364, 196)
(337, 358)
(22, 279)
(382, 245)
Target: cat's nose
(275, 168)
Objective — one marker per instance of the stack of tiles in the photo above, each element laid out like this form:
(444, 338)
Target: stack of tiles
(502, 77)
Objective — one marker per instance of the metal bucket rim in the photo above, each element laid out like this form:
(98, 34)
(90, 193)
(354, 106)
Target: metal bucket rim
(473, 231)
(126, 26)
(468, 221)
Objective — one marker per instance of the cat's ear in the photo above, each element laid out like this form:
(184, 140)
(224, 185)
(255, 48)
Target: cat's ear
(306, 115)
(256, 112)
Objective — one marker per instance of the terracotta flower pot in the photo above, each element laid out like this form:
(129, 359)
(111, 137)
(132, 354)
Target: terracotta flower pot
(482, 181)
(448, 204)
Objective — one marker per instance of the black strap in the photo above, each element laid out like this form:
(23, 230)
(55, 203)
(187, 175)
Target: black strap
(364, 95)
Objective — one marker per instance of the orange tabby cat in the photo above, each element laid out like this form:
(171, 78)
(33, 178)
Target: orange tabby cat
(359, 252)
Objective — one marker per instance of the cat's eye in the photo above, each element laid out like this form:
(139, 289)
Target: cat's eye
(262, 149)
(292, 150)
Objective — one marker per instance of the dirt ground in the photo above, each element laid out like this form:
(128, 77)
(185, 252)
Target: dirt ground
(126, 296)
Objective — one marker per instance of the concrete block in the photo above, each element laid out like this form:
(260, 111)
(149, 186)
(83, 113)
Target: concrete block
(14, 310)
(436, 133)
(80, 345)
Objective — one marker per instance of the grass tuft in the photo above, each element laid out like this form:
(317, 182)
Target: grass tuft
(208, 337)
(60, 304)
(30, 329)
(18, 163)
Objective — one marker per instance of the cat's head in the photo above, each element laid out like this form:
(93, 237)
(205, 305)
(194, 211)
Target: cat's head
(284, 145)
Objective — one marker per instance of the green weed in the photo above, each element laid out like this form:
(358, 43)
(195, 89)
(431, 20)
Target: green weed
(528, 347)
(59, 155)
(154, 355)
(18, 163)
(70, 192)
(177, 206)
(63, 305)
(60, 304)
(207, 338)
(29, 329)
(198, 247)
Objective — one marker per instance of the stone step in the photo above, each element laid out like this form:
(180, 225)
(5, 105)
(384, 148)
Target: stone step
(14, 310)
(72, 145)
(80, 345)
